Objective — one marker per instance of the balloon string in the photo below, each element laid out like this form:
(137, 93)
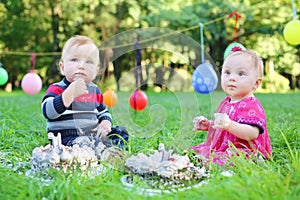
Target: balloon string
(33, 60)
(294, 10)
(202, 42)
(237, 16)
(137, 67)
(137, 63)
(134, 100)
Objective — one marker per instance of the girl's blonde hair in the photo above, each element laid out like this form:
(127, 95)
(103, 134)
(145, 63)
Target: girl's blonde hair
(257, 62)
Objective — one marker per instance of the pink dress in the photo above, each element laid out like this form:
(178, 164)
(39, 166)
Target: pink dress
(221, 144)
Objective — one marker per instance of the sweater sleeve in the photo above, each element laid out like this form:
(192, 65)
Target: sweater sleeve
(52, 103)
(103, 112)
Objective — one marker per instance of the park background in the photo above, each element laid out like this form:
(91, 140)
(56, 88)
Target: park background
(42, 27)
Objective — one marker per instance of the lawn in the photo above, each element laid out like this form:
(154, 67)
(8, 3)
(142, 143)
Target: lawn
(167, 119)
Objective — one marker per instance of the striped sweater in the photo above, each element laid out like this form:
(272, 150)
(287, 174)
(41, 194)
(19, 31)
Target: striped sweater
(84, 114)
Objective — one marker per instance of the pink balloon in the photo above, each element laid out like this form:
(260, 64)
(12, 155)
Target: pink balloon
(31, 83)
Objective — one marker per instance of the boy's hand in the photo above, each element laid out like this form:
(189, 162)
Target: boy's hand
(201, 123)
(75, 89)
(103, 129)
(79, 88)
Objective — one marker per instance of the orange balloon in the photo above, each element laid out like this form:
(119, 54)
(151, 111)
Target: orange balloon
(110, 98)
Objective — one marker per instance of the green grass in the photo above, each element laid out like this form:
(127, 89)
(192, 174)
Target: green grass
(167, 119)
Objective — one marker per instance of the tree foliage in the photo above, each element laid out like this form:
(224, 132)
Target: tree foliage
(44, 26)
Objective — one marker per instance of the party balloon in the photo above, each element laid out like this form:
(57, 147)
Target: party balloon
(138, 100)
(31, 83)
(291, 32)
(204, 78)
(235, 46)
(3, 76)
(110, 98)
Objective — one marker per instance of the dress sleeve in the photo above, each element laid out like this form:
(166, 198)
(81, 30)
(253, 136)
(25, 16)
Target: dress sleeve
(251, 112)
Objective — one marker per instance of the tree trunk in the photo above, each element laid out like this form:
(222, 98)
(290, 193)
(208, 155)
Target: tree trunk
(53, 70)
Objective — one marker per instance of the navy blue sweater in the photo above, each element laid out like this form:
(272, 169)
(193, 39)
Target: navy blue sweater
(84, 114)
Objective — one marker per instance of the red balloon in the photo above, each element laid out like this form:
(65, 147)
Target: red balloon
(138, 100)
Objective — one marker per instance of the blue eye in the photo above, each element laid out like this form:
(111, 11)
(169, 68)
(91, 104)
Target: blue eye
(227, 72)
(242, 73)
(74, 60)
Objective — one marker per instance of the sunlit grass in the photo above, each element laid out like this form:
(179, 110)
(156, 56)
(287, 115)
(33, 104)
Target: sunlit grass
(167, 119)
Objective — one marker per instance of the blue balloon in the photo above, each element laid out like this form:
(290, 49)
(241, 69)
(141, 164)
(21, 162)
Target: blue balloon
(204, 79)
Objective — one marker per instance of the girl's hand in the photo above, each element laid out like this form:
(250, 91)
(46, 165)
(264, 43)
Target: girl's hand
(201, 123)
(103, 129)
(221, 121)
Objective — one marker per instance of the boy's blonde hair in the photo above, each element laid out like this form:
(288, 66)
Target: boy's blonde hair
(78, 40)
(257, 62)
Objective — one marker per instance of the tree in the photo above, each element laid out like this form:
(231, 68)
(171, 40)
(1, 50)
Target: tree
(44, 27)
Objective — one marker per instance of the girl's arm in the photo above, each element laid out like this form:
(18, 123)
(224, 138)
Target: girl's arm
(243, 131)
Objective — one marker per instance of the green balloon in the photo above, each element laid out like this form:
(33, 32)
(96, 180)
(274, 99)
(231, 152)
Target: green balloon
(228, 50)
(3, 76)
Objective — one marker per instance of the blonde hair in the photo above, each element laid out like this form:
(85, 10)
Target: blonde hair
(77, 40)
(257, 62)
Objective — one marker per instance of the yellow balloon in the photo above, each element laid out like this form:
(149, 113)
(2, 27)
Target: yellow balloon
(291, 32)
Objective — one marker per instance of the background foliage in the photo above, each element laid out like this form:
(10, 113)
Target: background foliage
(43, 27)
